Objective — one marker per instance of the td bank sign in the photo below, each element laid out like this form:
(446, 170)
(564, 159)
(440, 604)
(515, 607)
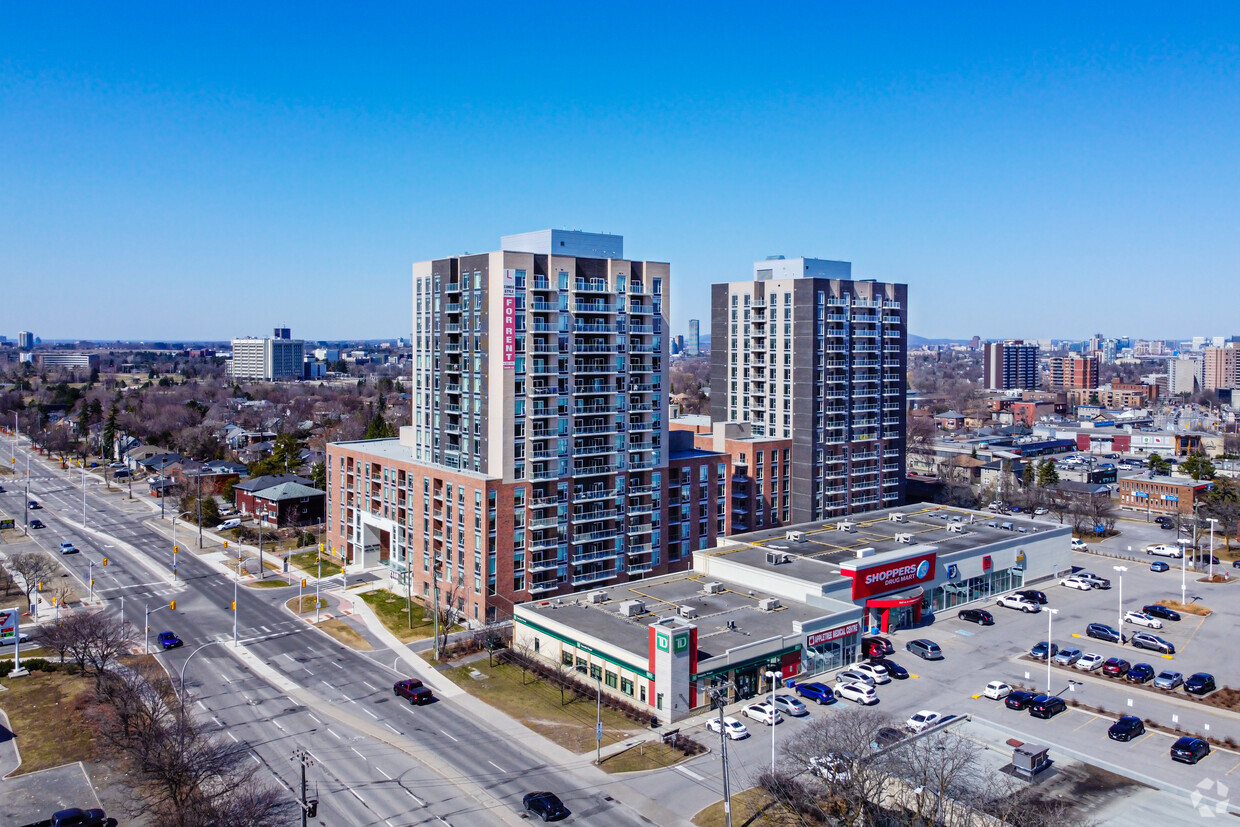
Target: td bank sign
(676, 643)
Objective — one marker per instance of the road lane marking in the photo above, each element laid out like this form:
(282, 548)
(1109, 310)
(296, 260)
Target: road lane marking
(337, 737)
(371, 714)
(277, 723)
(226, 678)
(394, 729)
(234, 737)
(497, 766)
(355, 795)
(447, 734)
(368, 686)
(338, 666)
(690, 773)
(316, 720)
(1092, 718)
(421, 803)
(359, 755)
(315, 757)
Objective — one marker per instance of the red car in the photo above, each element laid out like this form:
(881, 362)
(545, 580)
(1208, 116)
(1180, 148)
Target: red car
(877, 647)
(413, 689)
(1116, 668)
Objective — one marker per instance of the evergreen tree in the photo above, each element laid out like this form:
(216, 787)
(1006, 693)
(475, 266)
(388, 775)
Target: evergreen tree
(1027, 476)
(1198, 466)
(108, 443)
(1047, 475)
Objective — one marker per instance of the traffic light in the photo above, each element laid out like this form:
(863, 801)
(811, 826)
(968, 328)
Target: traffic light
(234, 605)
(312, 807)
(105, 561)
(173, 605)
(225, 544)
(40, 585)
(176, 549)
(303, 582)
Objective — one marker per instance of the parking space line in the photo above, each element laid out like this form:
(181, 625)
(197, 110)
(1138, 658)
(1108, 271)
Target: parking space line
(1233, 769)
(1092, 718)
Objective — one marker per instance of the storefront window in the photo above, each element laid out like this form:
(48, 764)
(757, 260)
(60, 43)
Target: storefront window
(830, 655)
(983, 587)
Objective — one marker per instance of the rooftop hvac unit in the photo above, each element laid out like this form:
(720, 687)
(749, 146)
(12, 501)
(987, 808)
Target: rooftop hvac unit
(795, 536)
(907, 539)
(845, 525)
(868, 551)
(768, 604)
(774, 558)
(688, 612)
(632, 608)
(956, 528)
(898, 517)
(598, 597)
(712, 588)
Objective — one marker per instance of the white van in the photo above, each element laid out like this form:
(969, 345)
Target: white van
(227, 524)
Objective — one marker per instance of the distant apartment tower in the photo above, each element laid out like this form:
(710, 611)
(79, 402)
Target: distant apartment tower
(1073, 372)
(1011, 365)
(694, 346)
(267, 360)
(1184, 375)
(804, 353)
(538, 460)
(25, 340)
(281, 333)
(1220, 368)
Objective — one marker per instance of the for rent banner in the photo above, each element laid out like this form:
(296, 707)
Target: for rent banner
(510, 319)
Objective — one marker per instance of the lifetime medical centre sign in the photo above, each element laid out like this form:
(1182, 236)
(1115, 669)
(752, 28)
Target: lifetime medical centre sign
(889, 575)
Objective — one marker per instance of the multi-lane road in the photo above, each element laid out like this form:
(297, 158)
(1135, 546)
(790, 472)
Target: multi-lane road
(289, 687)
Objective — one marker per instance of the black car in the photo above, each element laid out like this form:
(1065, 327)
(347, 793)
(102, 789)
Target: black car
(978, 616)
(1101, 631)
(1034, 595)
(894, 670)
(1165, 522)
(545, 804)
(1199, 683)
(886, 736)
(1189, 750)
(1019, 699)
(36, 524)
(1161, 612)
(77, 817)
(1047, 706)
(33, 505)
(1126, 728)
(1140, 673)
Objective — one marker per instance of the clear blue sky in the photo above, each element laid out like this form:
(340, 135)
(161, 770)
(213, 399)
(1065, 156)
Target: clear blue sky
(173, 170)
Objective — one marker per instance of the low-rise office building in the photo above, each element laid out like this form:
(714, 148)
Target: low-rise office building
(790, 601)
(1161, 495)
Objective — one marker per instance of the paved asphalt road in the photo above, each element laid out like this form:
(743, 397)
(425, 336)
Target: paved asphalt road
(376, 760)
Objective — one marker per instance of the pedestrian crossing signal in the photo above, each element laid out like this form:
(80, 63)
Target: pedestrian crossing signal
(173, 605)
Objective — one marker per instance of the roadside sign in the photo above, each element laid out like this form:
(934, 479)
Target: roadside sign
(598, 731)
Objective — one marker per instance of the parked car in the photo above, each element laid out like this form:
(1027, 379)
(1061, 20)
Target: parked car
(997, 690)
(545, 805)
(735, 729)
(1165, 521)
(1101, 631)
(860, 692)
(924, 649)
(852, 676)
(1144, 640)
(1200, 683)
(1019, 699)
(1042, 650)
(1189, 750)
(1116, 667)
(1159, 565)
(1140, 673)
(789, 705)
(877, 672)
(763, 713)
(68, 548)
(894, 670)
(169, 640)
(1142, 619)
(1164, 550)
(1126, 728)
(979, 616)
(1160, 611)
(1034, 595)
(1079, 545)
(819, 693)
(1089, 662)
(1067, 657)
(1168, 680)
(1015, 601)
(877, 647)
(886, 736)
(923, 720)
(77, 817)
(1094, 580)
(1047, 706)
(831, 767)
(36, 524)
(1039, 511)
(1077, 583)
(1205, 560)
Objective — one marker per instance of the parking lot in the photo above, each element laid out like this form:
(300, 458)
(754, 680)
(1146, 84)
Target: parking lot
(975, 655)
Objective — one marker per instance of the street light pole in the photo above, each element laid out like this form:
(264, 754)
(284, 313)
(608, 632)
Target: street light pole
(236, 583)
(83, 495)
(773, 677)
(183, 665)
(1212, 521)
(1183, 573)
(718, 701)
(1120, 627)
(1050, 617)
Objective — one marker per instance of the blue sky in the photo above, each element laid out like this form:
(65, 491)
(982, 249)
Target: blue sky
(213, 170)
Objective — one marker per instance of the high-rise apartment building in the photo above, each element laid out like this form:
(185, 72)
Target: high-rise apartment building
(267, 360)
(281, 333)
(25, 340)
(1220, 368)
(1184, 375)
(1073, 372)
(694, 347)
(1011, 365)
(538, 459)
(804, 353)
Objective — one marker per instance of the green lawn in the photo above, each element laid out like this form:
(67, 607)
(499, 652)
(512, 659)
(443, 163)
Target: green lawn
(307, 561)
(269, 583)
(390, 608)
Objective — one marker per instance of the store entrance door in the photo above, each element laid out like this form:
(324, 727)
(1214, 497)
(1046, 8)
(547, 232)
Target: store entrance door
(900, 617)
(747, 683)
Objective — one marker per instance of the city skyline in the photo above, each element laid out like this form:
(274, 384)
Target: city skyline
(168, 163)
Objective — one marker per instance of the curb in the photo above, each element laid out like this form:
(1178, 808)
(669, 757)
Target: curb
(17, 751)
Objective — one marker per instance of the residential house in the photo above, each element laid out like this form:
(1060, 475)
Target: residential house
(289, 504)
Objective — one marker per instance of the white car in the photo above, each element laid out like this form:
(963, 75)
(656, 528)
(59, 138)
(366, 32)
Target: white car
(997, 690)
(1079, 545)
(1089, 662)
(876, 671)
(923, 720)
(859, 692)
(831, 767)
(854, 676)
(1142, 619)
(1075, 582)
(734, 728)
(790, 706)
(1165, 550)
(763, 712)
(1015, 601)
(7, 640)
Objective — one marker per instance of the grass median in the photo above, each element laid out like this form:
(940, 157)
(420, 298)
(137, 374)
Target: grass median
(391, 609)
(308, 561)
(46, 713)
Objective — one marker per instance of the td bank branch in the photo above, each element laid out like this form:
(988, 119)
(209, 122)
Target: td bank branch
(789, 602)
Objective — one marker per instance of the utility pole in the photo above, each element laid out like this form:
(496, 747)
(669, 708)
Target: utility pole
(199, 475)
(435, 608)
(309, 807)
(718, 700)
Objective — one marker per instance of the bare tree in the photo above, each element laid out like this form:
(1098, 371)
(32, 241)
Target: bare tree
(35, 568)
(446, 608)
(940, 767)
(94, 641)
(848, 736)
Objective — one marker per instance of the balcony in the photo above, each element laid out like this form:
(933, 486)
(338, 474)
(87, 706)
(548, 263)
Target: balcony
(595, 450)
(543, 347)
(597, 408)
(640, 330)
(538, 368)
(539, 306)
(540, 411)
(544, 474)
(594, 515)
(544, 543)
(583, 306)
(582, 327)
(594, 367)
(596, 348)
(594, 495)
(891, 452)
(593, 577)
(641, 528)
(584, 388)
(639, 568)
(594, 469)
(609, 428)
(541, 586)
(543, 390)
(641, 465)
(591, 286)
(452, 287)
(544, 522)
(542, 564)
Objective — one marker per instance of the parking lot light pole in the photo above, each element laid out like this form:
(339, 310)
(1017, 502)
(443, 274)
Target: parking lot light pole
(1120, 628)
(1183, 573)
(1050, 617)
(774, 678)
(1211, 521)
